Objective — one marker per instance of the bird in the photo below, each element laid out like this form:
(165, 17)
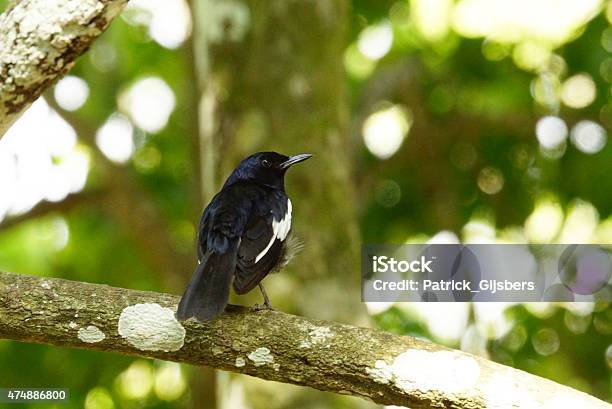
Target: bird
(244, 234)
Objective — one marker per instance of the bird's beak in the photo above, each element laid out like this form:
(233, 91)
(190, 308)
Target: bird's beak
(295, 159)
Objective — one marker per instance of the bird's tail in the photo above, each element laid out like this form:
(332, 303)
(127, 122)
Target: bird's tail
(207, 293)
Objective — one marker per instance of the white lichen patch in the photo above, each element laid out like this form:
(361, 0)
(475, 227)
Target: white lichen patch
(240, 362)
(276, 367)
(45, 285)
(91, 334)
(422, 370)
(261, 356)
(504, 390)
(381, 372)
(316, 335)
(72, 325)
(151, 327)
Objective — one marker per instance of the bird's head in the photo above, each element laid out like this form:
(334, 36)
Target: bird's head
(266, 168)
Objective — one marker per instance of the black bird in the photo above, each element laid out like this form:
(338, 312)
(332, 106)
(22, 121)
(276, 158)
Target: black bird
(243, 235)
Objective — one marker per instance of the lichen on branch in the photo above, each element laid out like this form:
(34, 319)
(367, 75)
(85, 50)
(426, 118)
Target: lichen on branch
(329, 356)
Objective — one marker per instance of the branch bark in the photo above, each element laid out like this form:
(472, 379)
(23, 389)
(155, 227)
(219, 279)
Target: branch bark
(40, 41)
(329, 356)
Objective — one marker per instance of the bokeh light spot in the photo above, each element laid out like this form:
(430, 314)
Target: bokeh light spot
(170, 383)
(136, 381)
(99, 398)
(545, 90)
(551, 132)
(432, 17)
(605, 69)
(463, 155)
(578, 91)
(149, 103)
(588, 136)
(531, 55)
(147, 159)
(357, 65)
(546, 341)
(490, 180)
(578, 324)
(580, 223)
(39, 159)
(169, 21)
(385, 130)
(115, 138)
(544, 223)
(375, 41)
(388, 193)
(608, 356)
(606, 39)
(71, 92)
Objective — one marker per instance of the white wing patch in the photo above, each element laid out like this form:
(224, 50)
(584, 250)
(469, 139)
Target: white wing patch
(280, 230)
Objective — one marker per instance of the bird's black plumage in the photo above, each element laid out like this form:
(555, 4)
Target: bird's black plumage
(243, 235)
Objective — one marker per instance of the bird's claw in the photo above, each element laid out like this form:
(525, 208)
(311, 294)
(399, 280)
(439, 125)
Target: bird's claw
(261, 307)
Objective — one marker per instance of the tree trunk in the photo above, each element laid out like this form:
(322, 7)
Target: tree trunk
(274, 81)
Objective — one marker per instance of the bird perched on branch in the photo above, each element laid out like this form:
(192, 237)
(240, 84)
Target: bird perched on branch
(243, 235)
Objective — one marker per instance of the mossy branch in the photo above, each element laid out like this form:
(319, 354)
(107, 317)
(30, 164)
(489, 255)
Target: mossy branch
(372, 364)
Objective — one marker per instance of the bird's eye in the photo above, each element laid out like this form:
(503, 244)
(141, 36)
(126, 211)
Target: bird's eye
(265, 163)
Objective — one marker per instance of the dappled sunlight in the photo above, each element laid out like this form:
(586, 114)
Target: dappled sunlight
(375, 41)
(491, 319)
(168, 21)
(115, 138)
(548, 223)
(478, 230)
(170, 383)
(580, 223)
(545, 221)
(149, 103)
(546, 341)
(490, 180)
(578, 91)
(385, 130)
(40, 160)
(551, 22)
(432, 17)
(71, 92)
(99, 398)
(445, 321)
(551, 132)
(137, 381)
(357, 65)
(588, 136)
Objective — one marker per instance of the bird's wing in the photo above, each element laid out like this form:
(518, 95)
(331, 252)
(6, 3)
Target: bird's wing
(262, 244)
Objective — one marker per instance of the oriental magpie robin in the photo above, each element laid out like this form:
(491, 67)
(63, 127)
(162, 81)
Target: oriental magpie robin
(243, 235)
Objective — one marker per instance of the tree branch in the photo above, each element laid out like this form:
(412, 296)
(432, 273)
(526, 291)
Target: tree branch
(44, 208)
(272, 345)
(40, 41)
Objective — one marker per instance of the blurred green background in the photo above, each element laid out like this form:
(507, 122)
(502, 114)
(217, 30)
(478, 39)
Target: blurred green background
(471, 120)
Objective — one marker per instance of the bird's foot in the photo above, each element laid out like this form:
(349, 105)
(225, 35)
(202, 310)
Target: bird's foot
(261, 307)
